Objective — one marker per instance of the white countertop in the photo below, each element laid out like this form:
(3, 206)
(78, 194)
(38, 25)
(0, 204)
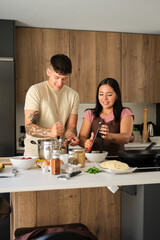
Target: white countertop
(137, 145)
(36, 180)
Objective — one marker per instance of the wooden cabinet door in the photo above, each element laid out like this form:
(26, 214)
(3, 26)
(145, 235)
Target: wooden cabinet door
(54, 42)
(82, 53)
(108, 56)
(157, 69)
(28, 60)
(133, 68)
(150, 66)
(34, 48)
(138, 68)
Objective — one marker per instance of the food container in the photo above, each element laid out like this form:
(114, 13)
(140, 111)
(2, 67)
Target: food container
(72, 158)
(46, 146)
(80, 154)
(72, 168)
(64, 161)
(20, 162)
(55, 163)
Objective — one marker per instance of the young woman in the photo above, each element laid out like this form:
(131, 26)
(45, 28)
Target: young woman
(117, 121)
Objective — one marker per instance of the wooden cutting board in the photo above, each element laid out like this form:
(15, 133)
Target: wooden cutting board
(5, 160)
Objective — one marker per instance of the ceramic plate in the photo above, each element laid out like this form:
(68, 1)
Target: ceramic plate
(115, 171)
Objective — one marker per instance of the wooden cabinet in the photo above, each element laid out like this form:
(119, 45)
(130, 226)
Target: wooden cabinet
(97, 208)
(157, 69)
(108, 56)
(95, 56)
(132, 59)
(34, 48)
(28, 60)
(82, 52)
(7, 39)
(53, 42)
(138, 68)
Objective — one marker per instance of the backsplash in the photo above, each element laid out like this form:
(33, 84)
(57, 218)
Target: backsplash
(137, 109)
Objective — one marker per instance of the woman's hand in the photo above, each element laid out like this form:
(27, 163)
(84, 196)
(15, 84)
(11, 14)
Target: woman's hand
(104, 130)
(88, 142)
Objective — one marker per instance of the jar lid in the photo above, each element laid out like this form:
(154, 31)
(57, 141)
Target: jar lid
(79, 150)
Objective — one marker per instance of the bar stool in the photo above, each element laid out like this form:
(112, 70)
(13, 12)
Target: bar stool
(74, 231)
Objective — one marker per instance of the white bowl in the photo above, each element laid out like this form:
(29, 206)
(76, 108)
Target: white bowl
(155, 139)
(96, 156)
(19, 162)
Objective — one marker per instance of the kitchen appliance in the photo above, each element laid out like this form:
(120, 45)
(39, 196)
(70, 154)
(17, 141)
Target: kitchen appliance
(139, 156)
(98, 135)
(7, 108)
(46, 146)
(150, 128)
(7, 103)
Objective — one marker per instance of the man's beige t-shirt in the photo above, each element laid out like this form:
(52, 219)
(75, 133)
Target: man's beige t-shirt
(52, 105)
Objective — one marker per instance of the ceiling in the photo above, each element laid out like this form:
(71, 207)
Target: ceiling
(134, 16)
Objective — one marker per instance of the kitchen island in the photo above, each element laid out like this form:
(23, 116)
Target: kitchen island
(39, 198)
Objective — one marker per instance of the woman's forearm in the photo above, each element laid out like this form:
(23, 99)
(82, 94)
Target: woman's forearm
(119, 137)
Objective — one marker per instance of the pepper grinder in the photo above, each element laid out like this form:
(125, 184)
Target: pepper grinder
(145, 130)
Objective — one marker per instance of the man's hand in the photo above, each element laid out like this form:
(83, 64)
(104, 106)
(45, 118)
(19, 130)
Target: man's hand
(57, 130)
(73, 141)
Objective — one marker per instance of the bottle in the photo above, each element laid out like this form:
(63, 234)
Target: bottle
(145, 130)
(55, 163)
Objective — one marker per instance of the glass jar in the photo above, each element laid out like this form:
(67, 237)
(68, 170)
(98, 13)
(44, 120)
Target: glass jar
(45, 149)
(55, 162)
(72, 158)
(80, 154)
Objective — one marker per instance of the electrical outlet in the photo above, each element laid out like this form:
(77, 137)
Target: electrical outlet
(22, 129)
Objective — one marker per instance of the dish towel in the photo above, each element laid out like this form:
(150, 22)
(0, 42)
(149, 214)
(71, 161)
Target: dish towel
(113, 189)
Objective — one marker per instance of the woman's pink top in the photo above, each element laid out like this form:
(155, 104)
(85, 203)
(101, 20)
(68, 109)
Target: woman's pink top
(125, 112)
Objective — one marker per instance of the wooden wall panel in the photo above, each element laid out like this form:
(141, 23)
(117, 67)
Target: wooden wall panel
(82, 53)
(100, 212)
(23, 210)
(108, 56)
(58, 207)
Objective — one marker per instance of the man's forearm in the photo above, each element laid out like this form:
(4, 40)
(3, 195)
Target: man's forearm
(36, 131)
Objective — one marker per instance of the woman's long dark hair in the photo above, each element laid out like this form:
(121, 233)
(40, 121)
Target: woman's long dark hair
(117, 107)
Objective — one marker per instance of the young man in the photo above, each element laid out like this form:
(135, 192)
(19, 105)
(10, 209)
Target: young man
(51, 107)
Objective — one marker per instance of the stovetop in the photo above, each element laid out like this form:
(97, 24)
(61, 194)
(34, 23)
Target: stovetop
(141, 167)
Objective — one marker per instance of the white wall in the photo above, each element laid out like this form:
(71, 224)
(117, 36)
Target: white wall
(137, 109)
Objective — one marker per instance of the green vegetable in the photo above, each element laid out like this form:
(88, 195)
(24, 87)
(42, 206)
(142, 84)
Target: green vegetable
(93, 170)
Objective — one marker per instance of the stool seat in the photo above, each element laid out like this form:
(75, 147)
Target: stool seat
(73, 231)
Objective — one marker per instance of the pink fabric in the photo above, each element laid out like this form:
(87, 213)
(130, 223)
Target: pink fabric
(125, 112)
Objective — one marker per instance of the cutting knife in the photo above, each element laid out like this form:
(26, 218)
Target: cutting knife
(14, 173)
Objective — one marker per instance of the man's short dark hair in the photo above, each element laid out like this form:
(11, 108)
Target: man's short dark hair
(61, 64)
